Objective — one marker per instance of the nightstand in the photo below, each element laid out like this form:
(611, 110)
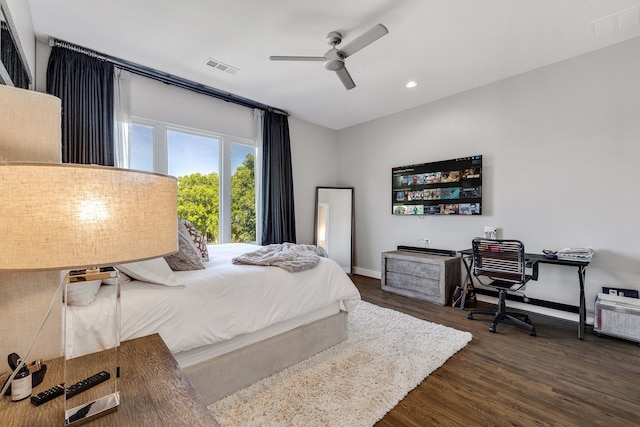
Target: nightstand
(153, 388)
(422, 276)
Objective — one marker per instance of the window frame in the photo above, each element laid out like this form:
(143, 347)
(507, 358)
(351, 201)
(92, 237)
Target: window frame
(161, 165)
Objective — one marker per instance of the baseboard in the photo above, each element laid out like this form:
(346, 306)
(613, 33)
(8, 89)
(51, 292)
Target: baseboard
(367, 273)
(533, 301)
(546, 311)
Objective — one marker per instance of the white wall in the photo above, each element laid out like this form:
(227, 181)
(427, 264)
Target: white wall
(154, 100)
(561, 149)
(313, 154)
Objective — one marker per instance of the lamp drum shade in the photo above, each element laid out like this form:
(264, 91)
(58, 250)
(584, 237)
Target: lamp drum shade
(67, 216)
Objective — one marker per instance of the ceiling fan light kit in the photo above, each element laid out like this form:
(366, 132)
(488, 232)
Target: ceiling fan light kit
(334, 58)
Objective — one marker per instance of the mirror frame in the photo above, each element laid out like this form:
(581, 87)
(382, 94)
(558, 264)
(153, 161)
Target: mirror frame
(315, 222)
(5, 78)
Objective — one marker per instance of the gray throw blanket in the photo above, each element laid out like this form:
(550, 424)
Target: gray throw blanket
(288, 256)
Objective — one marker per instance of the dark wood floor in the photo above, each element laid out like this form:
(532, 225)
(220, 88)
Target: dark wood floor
(513, 379)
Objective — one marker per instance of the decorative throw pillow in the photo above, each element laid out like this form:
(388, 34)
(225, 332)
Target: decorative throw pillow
(83, 293)
(197, 239)
(154, 270)
(188, 256)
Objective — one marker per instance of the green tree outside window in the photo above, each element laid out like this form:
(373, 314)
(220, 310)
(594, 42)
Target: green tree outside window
(199, 202)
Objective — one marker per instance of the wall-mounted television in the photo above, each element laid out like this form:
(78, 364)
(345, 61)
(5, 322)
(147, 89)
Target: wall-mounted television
(447, 187)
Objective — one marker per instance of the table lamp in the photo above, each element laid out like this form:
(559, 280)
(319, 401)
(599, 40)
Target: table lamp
(69, 217)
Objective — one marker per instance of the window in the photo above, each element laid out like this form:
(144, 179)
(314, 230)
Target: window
(141, 156)
(216, 176)
(243, 193)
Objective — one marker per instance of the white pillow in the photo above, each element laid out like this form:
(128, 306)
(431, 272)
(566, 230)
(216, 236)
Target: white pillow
(155, 270)
(82, 293)
(122, 279)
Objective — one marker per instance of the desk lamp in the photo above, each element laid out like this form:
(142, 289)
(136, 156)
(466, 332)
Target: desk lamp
(68, 217)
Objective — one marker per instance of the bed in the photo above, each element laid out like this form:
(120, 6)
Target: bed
(228, 324)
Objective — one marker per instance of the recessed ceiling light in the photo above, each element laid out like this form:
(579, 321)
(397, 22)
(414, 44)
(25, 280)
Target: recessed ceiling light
(411, 84)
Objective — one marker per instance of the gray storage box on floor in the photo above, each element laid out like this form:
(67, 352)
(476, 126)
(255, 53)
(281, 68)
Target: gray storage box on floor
(617, 316)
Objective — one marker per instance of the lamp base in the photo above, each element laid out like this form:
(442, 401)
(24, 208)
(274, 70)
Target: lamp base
(89, 395)
(91, 410)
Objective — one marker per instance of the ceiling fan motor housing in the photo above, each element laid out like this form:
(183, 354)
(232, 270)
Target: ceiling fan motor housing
(334, 64)
(334, 38)
(334, 60)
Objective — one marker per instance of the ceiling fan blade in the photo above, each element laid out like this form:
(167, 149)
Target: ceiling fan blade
(364, 40)
(297, 58)
(345, 78)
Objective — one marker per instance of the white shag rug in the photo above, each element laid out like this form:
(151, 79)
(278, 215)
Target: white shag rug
(354, 383)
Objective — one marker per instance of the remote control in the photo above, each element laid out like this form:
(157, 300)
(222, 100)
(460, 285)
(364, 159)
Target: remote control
(79, 387)
(47, 395)
(87, 383)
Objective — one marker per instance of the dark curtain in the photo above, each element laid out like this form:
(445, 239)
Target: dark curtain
(85, 86)
(278, 219)
(10, 58)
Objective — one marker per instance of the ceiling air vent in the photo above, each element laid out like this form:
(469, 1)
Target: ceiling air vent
(221, 66)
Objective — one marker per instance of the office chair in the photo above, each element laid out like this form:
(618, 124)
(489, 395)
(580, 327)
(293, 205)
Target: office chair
(503, 262)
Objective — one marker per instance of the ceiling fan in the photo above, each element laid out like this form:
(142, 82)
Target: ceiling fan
(334, 58)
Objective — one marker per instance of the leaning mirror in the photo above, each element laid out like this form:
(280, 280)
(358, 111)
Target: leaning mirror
(334, 224)
(13, 64)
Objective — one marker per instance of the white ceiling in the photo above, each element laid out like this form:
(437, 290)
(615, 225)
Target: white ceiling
(447, 46)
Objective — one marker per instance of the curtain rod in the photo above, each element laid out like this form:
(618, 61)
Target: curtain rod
(166, 77)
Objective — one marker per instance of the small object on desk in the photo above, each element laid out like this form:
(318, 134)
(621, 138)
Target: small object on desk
(628, 293)
(87, 383)
(37, 369)
(73, 390)
(443, 252)
(548, 254)
(21, 385)
(576, 254)
(84, 275)
(47, 395)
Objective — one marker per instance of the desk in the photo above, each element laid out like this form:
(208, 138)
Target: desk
(153, 388)
(467, 259)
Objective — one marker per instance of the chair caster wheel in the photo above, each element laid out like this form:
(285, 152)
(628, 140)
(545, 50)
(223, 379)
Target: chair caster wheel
(533, 333)
(470, 316)
(492, 328)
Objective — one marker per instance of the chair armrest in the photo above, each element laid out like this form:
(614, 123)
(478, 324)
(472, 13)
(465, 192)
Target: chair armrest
(534, 266)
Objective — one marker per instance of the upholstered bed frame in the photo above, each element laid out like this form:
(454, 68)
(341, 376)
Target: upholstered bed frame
(226, 374)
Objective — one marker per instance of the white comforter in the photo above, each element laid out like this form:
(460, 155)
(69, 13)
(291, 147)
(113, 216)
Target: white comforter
(218, 303)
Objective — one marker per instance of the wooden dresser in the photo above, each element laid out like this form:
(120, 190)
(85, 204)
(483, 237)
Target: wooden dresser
(426, 277)
(153, 389)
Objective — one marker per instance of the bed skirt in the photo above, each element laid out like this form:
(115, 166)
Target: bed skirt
(226, 374)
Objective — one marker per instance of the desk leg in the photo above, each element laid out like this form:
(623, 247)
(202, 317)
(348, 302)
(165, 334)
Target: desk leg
(467, 265)
(583, 312)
